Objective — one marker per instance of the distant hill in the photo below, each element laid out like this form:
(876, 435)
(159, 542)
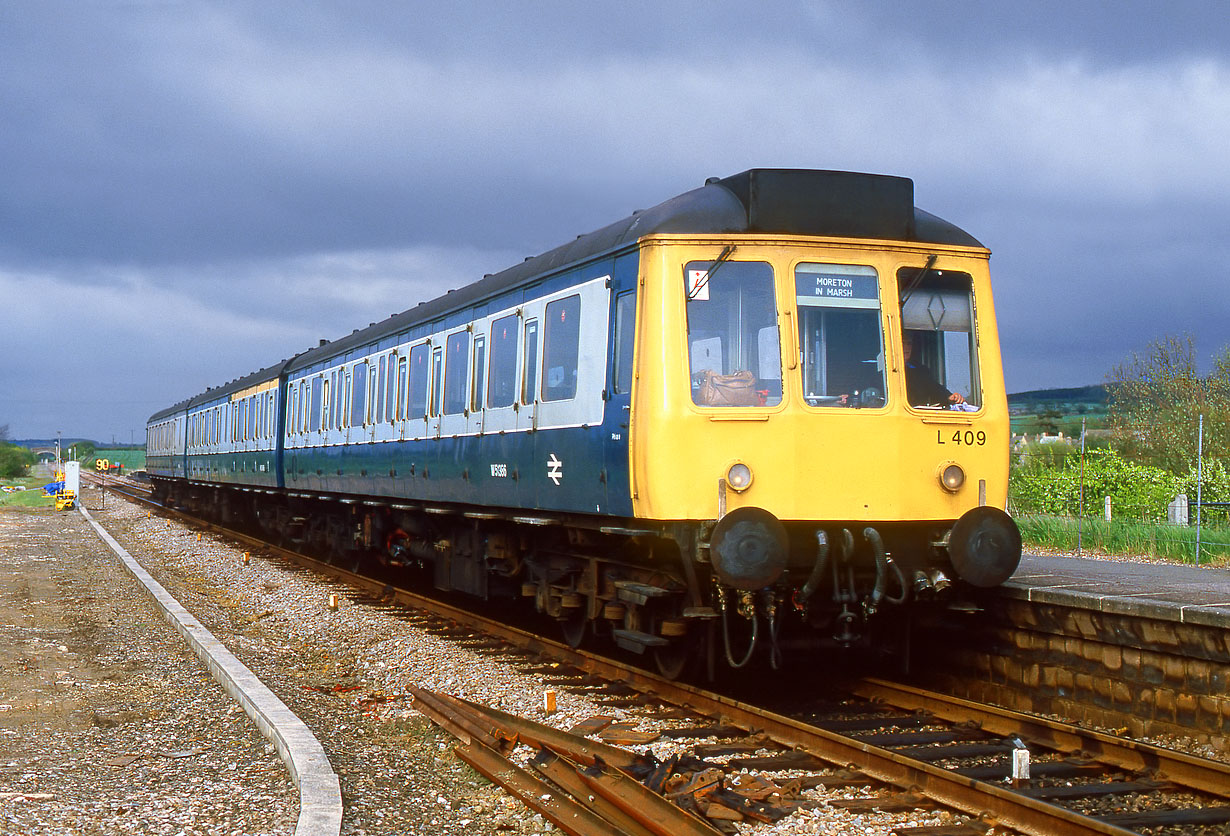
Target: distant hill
(65, 443)
(1098, 394)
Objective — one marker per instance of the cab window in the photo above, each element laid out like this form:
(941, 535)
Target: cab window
(937, 320)
(734, 353)
(840, 335)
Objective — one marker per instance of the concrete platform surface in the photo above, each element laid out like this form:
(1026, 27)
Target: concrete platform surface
(1169, 591)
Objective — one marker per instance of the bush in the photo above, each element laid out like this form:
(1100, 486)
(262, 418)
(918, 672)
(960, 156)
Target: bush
(1139, 491)
(14, 460)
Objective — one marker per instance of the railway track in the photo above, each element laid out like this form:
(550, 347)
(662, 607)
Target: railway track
(902, 748)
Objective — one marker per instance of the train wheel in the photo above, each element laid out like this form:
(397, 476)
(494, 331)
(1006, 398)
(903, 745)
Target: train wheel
(574, 626)
(672, 660)
(569, 610)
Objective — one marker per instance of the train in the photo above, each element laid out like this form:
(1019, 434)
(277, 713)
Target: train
(764, 415)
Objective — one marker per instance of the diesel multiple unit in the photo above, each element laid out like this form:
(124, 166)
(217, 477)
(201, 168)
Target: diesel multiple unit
(769, 407)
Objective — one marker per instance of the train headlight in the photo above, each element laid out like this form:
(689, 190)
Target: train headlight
(739, 477)
(952, 477)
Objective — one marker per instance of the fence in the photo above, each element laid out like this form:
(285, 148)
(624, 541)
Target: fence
(1066, 497)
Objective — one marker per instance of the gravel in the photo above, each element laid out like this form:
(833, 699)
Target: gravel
(108, 724)
(343, 671)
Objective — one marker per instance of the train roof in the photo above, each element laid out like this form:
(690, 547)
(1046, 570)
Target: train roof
(841, 204)
(263, 376)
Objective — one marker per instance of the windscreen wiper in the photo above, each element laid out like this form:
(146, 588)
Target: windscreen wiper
(913, 284)
(713, 268)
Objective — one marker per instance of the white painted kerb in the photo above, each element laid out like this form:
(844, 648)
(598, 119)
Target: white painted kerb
(320, 795)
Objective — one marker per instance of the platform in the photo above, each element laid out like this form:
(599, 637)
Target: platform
(1152, 589)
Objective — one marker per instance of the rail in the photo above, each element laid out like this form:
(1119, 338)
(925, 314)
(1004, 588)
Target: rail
(974, 794)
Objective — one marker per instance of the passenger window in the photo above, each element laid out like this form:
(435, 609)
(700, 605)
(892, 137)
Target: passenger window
(456, 367)
(325, 399)
(332, 396)
(561, 347)
(358, 394)
(344, 410)
(502, 372)
(529, 371)
(401, 388)
(390, 391)
(379, 393)
(480, 366)
(305, 394)
(339, 399)
(418, 381)
(314, 418)
(937, 320)
(625, 332)
(734, 352)
(373, 388)
(437, 380)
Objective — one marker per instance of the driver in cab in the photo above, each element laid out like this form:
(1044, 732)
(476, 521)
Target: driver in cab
(921, 387)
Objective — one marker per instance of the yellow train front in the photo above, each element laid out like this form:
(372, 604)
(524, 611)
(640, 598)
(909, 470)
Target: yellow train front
(825, 413)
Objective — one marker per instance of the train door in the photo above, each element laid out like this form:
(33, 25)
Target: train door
(528, 400)
(436, 406)
(478, 385)
(619, 406)
(526, 466)
(571, 378)
(419, 385)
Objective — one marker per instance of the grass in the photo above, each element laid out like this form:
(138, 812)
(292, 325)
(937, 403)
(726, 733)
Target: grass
(1169, 542)
(33, 497)
(132, 459)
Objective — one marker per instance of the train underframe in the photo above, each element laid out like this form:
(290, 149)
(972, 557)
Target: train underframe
(681, 593)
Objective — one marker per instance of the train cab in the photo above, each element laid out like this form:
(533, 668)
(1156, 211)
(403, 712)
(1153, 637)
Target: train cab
(816, 401)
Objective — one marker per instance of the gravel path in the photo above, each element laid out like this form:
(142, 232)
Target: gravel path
(108, 724)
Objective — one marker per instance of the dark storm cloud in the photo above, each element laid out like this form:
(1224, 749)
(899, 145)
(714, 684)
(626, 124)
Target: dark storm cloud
(210, 187)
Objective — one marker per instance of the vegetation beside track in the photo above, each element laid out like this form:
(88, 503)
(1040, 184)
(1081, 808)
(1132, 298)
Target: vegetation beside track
(1155, 432)
(31, 497)
(133, 458)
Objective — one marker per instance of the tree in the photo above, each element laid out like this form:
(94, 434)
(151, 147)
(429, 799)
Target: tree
(4, 433)
(84, 451)
(1048, 420)
(14, 460)
(1157, 399)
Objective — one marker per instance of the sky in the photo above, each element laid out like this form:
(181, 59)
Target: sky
(190, 191)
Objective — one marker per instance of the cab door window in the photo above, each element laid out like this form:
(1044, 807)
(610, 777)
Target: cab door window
(625, 334)
(734, 352)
